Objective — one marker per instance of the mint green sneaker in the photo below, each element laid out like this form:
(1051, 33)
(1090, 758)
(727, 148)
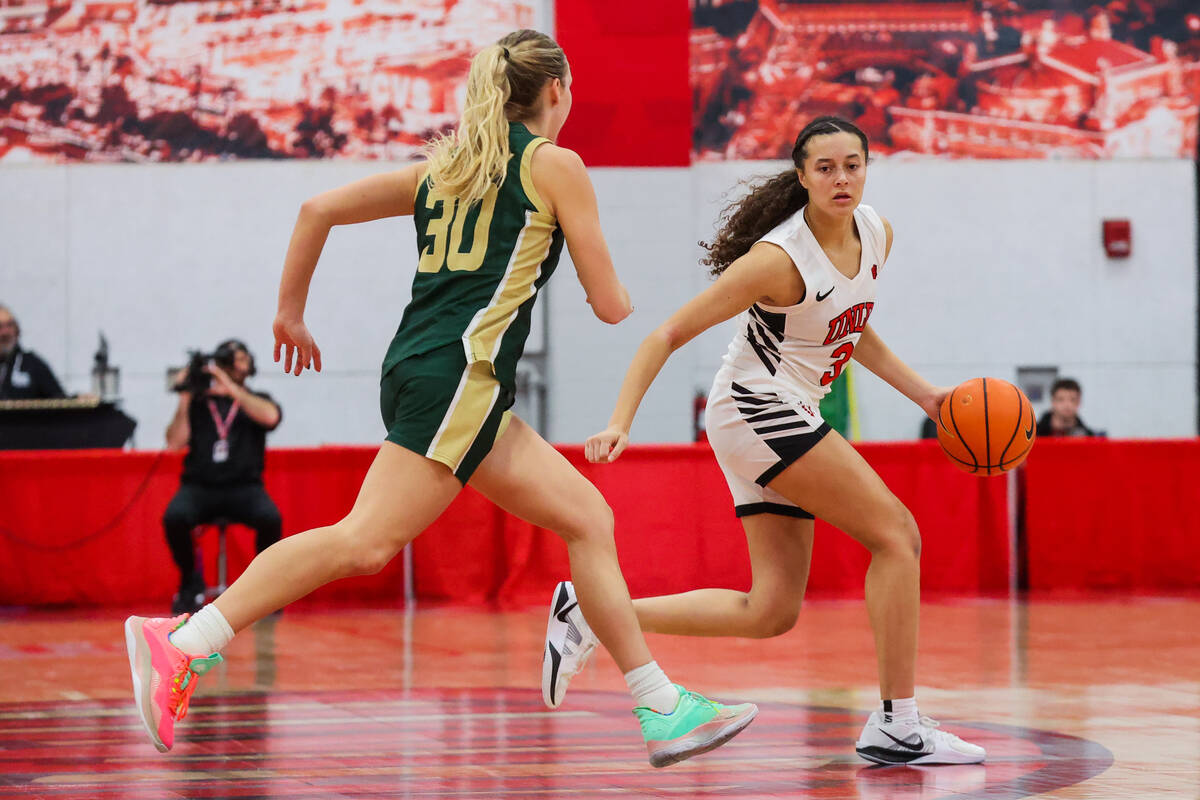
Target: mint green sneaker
(695, 726)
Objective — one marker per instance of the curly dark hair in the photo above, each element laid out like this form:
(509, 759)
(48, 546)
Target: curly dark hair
(769, 201)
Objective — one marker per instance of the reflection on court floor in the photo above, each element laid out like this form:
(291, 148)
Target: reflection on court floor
(1079, 699)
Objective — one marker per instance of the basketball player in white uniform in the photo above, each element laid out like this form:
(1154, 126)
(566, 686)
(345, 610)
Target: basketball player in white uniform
(797, 260)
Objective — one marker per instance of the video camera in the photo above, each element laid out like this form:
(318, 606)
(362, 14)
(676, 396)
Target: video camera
(197, 379)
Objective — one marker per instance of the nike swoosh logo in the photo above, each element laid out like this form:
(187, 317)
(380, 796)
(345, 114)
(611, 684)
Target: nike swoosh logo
(561, 616)
(821, 297)
(920, 745)
(562, 598)
(555, 660)
(1029, 431)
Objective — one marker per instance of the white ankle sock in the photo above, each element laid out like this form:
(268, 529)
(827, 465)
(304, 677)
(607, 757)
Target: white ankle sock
(904, 710)
(650, 688)
(206, 632)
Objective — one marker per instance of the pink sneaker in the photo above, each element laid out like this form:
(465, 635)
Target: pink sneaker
(164, 676)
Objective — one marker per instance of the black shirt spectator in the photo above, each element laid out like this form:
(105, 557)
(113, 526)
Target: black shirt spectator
(23, 374)
(247, 443)
(1063, 417)
(225, 432)
(1045, 427)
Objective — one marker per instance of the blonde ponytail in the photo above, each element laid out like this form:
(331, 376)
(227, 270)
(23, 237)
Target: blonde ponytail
(505, 82)
(465, 162)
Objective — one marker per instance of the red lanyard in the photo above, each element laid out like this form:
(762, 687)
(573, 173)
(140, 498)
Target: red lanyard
(223, 426)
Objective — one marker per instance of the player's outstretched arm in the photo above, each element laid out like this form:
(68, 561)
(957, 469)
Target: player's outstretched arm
(763, 272)
(876, 356)
(391, 194)
(562, 179)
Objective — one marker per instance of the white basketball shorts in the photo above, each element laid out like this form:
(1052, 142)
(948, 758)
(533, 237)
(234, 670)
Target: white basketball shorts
(756, 431)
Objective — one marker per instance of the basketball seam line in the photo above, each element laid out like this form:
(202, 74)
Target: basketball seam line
(1015, 459)
(987, 428)
(958, 433)
(1020, 416)
(978, 467)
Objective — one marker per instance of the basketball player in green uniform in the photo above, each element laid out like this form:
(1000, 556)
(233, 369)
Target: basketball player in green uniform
(493, 206)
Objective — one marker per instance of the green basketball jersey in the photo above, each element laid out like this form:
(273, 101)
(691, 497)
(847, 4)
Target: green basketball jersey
(480, 267)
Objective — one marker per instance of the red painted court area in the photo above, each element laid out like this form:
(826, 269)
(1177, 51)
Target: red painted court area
(1078, 695)
(491, 743)
(1083, 699)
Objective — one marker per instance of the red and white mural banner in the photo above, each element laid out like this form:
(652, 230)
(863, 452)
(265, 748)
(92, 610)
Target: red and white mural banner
(984, 79)
(200, 80)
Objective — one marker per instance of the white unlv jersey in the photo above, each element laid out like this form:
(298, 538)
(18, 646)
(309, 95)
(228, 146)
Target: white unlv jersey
(806, 346)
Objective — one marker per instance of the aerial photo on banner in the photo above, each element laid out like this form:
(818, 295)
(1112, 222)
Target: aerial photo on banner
(203, 80)
(976, 79)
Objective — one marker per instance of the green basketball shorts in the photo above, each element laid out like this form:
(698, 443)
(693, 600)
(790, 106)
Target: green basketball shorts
(441, 407)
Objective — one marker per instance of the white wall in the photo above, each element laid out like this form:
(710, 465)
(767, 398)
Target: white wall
(995, 264)
(647, 219)
(169, 257)
(1000, 264)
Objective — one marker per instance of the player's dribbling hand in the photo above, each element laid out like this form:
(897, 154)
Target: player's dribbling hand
(933, 404)
(293, 339)
(605, 447)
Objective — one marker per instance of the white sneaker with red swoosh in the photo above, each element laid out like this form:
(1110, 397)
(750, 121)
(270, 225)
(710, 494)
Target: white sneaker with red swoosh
(914, 742)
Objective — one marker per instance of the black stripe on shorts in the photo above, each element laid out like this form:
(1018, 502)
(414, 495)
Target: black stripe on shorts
(747, 509)
(789, 449)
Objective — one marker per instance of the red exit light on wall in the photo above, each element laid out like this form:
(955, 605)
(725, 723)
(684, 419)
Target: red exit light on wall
(1118, 238)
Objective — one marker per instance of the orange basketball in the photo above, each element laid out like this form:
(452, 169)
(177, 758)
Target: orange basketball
(986, 426)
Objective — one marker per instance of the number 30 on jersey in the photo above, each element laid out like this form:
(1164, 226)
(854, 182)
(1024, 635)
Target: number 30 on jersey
(449, 223)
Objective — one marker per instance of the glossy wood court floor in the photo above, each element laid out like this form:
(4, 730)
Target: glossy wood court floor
(1073, 699)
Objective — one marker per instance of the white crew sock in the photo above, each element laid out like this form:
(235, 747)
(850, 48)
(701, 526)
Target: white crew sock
(650, 688)
(904, 710)
(206, 632)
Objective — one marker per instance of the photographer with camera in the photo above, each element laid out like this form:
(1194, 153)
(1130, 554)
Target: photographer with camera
(224, 427)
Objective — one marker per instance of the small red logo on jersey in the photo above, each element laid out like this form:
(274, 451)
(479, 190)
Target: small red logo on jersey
(875, 271)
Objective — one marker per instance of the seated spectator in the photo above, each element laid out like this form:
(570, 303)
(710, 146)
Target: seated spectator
(224, 429)
(23, 375)
(1063, 417)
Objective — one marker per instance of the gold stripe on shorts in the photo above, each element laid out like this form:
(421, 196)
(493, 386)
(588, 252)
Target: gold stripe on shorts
(473, 401)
